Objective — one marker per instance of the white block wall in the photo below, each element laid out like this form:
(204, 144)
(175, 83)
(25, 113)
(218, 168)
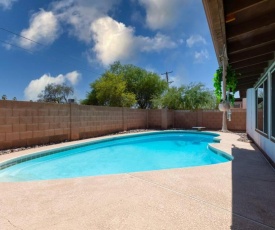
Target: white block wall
(263, 142)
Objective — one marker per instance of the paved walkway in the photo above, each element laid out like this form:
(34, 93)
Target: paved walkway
(235, 195)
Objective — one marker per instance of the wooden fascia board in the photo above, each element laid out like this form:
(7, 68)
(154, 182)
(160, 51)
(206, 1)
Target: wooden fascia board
(215, 17)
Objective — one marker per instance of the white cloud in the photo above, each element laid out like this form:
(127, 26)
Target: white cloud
(201, 56)
(80, 14)
(162, 13)
(114, 41)
(111, 40)
(73, 77)
(44, 28)
(195, 39)
(157, 43)
(87, 20)
(6, 4)
(36, 86)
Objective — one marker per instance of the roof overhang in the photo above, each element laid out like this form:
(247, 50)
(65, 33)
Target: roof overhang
(247, 28)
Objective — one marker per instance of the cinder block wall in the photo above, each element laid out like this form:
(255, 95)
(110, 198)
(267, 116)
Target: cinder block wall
(32, 123)
(154, 119)
(238, 120)
(135, 118)
(185, 119)
(170, 118)
(211, 119)
(29, 123)
(91, 121)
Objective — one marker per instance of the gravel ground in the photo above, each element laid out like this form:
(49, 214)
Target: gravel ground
(243, 138)
(7, 151)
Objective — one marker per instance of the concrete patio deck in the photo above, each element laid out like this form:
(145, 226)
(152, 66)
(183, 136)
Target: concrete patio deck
(235, 195)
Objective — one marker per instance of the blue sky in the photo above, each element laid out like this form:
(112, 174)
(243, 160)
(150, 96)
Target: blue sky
(74, 42)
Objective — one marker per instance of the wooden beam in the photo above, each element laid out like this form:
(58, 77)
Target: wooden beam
(236, 30)
(245, 77)
(215, 17)
(248, 76)
(253, 67)
(252, 61)
(251, 41)
(243, 93)
(232, 7)
(250, 81)
(250, 72)
(245, 87)
(240, 80)
(254, 52)
(230, 18)
(249, 85)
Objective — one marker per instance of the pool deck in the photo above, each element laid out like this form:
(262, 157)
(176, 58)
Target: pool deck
(235, 195)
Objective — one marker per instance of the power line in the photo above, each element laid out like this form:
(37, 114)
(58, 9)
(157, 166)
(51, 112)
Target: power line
(9, 31)
(16, 46)
(167, 77)
(51, 59)
(21, 36)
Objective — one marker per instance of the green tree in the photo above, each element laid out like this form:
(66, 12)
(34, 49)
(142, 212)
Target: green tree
(189, 97)
(231, 83)
(171, 99)
(56, 93)
(146, 86)
(90, 98)
(110, 90)
(196, 96)
(4, 97)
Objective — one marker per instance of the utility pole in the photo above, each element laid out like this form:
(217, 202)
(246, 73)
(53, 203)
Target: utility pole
(167, 77)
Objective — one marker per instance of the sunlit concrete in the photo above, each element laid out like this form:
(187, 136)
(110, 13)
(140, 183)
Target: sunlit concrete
(235, 195)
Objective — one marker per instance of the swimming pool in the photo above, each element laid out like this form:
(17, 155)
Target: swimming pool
(132, 153)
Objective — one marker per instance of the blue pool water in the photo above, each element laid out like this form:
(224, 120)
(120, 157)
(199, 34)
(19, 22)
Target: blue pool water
(161, 150)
